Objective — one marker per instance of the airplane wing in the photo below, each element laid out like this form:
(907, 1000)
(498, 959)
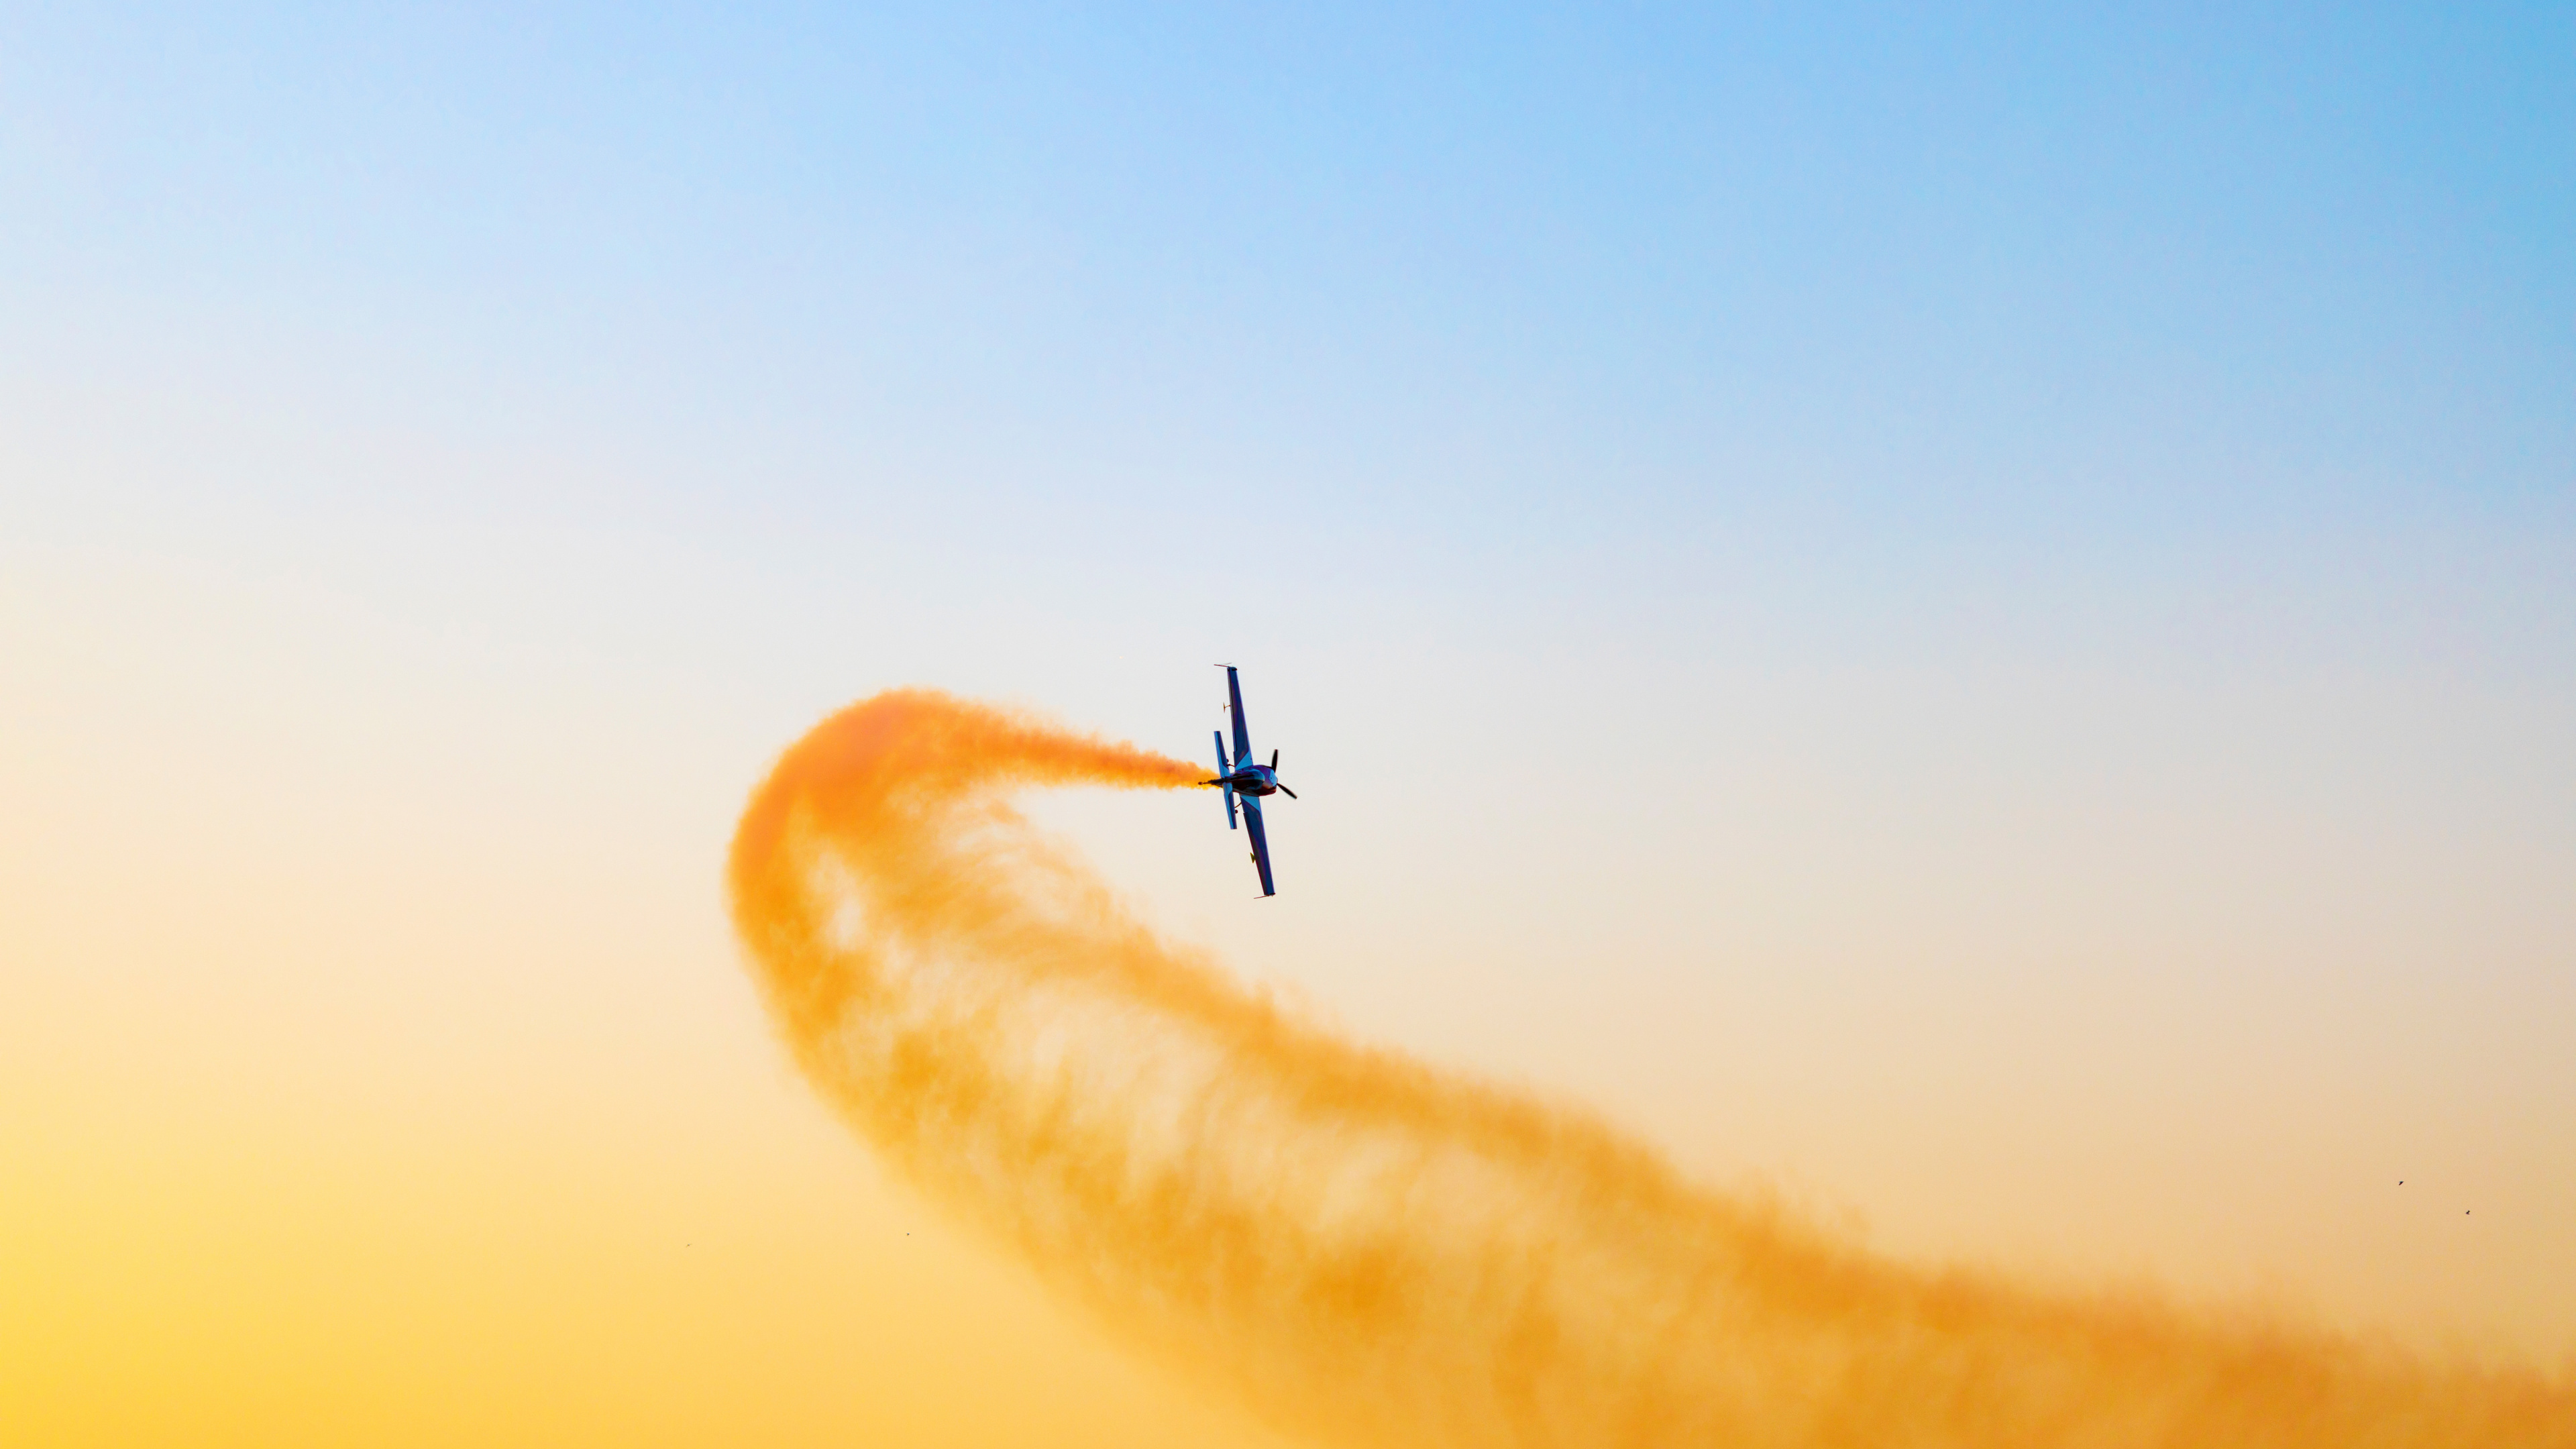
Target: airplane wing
(1242, 735)
(1260, 840)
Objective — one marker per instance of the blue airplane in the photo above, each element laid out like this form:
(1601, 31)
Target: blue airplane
(1244, 778)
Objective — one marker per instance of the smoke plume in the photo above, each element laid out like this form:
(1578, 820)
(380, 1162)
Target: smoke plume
(1380, 1253)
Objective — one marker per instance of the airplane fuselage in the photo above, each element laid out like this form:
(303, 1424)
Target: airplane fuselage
(1254, 780)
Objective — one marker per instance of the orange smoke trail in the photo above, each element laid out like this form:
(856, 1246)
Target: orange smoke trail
(1387, 1254)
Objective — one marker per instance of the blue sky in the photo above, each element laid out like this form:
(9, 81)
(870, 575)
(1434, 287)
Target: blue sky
(1528, 319)
(2007, 268)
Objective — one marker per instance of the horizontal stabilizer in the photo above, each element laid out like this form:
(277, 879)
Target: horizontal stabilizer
(1223, 770)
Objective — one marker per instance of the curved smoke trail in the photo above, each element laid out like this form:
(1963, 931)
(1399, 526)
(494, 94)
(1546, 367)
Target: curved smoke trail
(1384, 1253)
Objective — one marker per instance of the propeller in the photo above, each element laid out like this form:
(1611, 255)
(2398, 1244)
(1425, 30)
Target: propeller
(1274, 776)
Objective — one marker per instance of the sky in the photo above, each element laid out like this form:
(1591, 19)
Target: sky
(1971, 617)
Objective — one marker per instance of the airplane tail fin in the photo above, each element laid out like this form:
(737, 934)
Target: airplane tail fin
(1222, 771)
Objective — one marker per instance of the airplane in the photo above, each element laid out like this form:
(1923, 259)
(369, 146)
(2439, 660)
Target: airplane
(1251, 781)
